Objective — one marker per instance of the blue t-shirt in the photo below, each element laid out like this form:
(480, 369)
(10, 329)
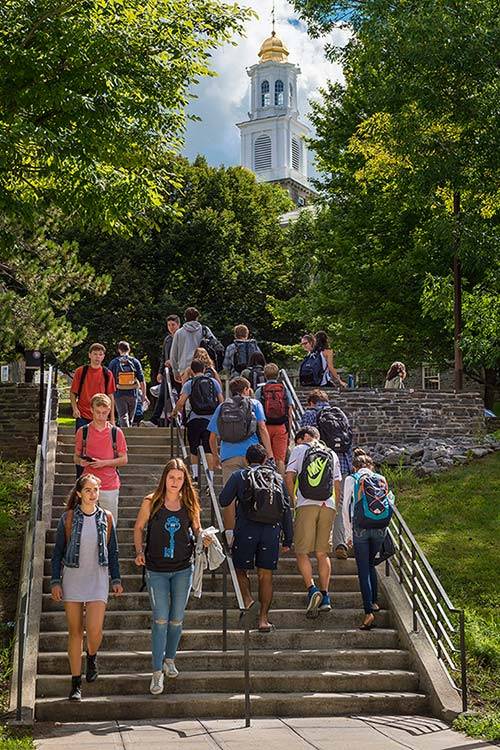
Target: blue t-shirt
(231, 450)
(114, 366)
(186, 390)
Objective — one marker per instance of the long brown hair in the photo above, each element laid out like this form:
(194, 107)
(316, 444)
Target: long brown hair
(397, 368)
(188, 495)
(202, 354)
(74, 498)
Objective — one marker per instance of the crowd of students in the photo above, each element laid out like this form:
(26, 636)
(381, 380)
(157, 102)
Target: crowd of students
(308, 490)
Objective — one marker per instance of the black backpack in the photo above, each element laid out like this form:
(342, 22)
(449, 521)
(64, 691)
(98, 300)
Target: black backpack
(264, 497)
(334, 428)
(203, 398)
(212, 346)
(312, 369)
(256, 376)
(105, 372)
(236, 421)
(316, 476)
(242, 353)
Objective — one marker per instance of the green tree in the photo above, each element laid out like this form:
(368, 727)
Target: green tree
(92, 113)
(224, 254)
(412, 127)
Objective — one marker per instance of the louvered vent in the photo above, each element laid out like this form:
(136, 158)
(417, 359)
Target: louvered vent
(262, 153)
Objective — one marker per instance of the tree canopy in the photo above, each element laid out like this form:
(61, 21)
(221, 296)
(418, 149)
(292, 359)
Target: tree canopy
(92, 114)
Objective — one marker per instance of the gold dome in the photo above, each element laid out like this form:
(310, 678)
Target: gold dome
(273, 49)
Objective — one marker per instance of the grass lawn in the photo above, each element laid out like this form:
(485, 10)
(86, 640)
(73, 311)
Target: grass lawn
(455, 517)
(15, 489)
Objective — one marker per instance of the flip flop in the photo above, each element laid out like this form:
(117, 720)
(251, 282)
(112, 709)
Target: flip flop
(268, 629)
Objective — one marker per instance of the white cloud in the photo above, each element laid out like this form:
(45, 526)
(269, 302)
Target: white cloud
(222, 101)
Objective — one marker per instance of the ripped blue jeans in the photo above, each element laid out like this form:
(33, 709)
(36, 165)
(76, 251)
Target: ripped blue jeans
(168, 593)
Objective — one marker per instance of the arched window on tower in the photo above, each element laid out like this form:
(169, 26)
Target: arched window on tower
(262, 153)
(278, 94)
(290, 90)
(264, 94)
(296, 154)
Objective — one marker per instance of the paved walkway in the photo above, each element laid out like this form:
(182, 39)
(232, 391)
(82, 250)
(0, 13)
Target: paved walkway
(339, 733)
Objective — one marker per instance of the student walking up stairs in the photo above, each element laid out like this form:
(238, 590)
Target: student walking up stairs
(302, 668)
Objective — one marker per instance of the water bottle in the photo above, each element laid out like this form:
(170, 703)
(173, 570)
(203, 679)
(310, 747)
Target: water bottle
(350, 382)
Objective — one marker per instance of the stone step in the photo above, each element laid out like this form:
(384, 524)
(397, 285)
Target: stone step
(285, 565)
(140, 661)
(129, 602)
(126, 510)
(148, 462)
(229, 705)
(296, 681)
(281, 582)
(163, 432)
(211, 619)
(281, 638)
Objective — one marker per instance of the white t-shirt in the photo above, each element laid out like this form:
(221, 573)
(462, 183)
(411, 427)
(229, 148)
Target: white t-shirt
(295, 464)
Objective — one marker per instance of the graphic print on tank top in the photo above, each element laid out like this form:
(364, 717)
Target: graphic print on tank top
(172, 526)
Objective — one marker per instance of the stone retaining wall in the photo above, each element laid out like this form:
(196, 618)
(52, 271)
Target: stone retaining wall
(402, 417)
(19, 419)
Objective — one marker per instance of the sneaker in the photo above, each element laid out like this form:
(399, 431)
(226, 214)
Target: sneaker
(76, 689)
(156, 686)
(169, 668)
(91, 672)
(315, 598)
(147, 423)
(326, 604)
(341, 552)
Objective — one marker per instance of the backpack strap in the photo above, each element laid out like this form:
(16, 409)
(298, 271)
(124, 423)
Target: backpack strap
(114, 433)
(85, 370)
(109, 526)
(85, 432)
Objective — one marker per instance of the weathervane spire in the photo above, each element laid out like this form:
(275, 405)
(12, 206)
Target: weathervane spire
(273, 19)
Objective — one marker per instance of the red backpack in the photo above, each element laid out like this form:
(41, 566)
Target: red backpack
(275, 403)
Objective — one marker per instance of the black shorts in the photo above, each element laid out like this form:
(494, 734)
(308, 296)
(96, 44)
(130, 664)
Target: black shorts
(256, 544)
(197, 435)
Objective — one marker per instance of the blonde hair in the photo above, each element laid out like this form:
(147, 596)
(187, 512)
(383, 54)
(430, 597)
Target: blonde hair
(188, 495)
(362, 460)
(203, 356)
(100, 399)
(271, 371)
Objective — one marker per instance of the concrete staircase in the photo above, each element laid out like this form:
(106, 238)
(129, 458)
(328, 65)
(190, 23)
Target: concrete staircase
(321, 667)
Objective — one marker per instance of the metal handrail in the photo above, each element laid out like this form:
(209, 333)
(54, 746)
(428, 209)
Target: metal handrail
(431, 606)
(26, 584)
(298, 409)
(228, 565)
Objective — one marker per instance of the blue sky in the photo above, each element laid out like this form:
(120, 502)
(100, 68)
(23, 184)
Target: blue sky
(223, 100)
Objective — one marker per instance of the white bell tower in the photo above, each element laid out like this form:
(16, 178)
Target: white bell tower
(273, 142)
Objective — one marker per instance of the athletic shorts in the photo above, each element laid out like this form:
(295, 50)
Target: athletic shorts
(256, 544)
(197, 435)
(279, 440)
(312, 531)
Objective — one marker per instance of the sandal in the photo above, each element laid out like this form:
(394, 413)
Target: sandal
(267, 629)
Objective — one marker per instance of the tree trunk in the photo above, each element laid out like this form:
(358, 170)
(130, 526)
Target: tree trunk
(490, 388)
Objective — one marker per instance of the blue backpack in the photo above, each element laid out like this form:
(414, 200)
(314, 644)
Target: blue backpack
(312, 369)
(372, 503)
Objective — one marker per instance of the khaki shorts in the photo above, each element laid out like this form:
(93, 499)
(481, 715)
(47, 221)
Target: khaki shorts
(313, 529)
(232, 464)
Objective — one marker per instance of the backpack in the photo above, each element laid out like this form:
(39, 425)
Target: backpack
(257, 377)
(85, 432)
(315, 480)
(212, 346)
(371, 504)
(68, 524)
(275, 403)
(85, 370)
(264, 498)
(126, 375)
(242, 352)
(334, 428)
(236, 421)
(312, 369)
(203, 398)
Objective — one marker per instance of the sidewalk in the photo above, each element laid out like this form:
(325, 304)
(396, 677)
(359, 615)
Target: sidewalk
(339, 733)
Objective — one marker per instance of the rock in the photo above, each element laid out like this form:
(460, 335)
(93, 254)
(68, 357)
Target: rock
(479, 452)
(393, 458)
(414, 451)
(459, 458)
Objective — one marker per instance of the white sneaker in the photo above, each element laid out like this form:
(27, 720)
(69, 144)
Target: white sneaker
(156, 686)
(169, 668)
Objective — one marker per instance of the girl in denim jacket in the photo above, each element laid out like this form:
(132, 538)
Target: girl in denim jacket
(86, 550)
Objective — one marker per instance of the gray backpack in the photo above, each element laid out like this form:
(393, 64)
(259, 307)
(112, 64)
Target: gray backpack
(236, 421)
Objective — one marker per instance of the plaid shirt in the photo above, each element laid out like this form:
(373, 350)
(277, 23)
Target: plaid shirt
(309, 419)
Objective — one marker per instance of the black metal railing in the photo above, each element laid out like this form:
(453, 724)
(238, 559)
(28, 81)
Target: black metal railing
(298, 409)
(432, 610)
(205, 482)
(35, 515)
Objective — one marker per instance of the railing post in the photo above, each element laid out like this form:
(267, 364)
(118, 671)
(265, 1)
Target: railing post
(224, 608)
(171, 439)
(463, 662)
(438, 628)
(41, 411)
(247, 672)
(414, 588)
(400, 551)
